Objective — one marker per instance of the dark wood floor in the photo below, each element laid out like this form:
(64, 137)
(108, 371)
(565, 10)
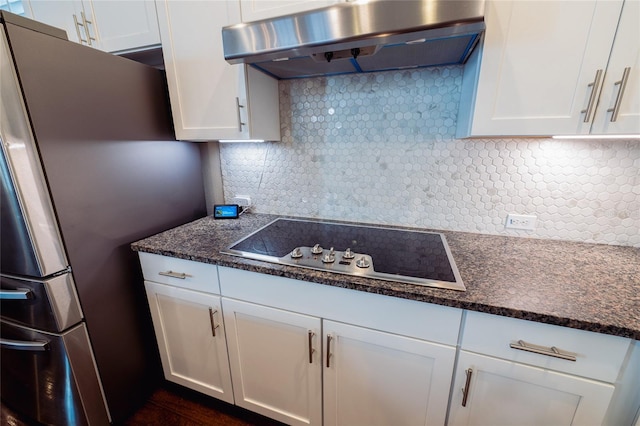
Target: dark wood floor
(173, 405)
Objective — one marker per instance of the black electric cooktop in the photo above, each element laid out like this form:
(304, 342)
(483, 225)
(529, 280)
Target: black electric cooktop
(408, 256)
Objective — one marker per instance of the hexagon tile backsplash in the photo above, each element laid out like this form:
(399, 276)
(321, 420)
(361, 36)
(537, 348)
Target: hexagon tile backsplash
(381, 148)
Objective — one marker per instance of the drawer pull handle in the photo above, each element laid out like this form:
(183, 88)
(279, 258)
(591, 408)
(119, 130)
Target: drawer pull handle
(311, 350)
(85, 24)
(180, 275)
(213, 323)
(329, 338)
(593, 97)
(78, 24)
(542, 350)
(623, 85)
(465, 389)
(238, 106)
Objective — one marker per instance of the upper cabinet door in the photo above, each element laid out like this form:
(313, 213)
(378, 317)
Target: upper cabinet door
(542, 66)
(124, 25)
(112, 26)
(211, 99)
(253, 10)
(63, 14)
(203, 88)
(619, 107)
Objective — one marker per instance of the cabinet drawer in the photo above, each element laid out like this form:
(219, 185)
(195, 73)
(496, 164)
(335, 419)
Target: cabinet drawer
(180, 273)
(597, 356)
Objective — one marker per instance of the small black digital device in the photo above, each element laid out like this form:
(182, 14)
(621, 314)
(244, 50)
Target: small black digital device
(226, 211)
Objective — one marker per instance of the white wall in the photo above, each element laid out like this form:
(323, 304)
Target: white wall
(380, 148)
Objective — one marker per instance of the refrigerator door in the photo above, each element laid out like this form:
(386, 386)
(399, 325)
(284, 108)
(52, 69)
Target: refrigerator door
(49, 305)
(116, 174)
(51, 376)
(31, 243)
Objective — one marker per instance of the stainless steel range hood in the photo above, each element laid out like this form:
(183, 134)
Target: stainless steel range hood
(359, 37)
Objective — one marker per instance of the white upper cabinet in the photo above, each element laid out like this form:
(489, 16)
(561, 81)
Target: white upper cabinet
(210, 99)
(618, 111)
(65, 14)
(254, 10)
(112, 26)
(123, 25)
(542, 68)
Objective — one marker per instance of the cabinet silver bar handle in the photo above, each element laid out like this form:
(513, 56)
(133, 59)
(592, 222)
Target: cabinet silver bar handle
(592, 98)
(75, 21)
(86, 23)
(623, 85)
(465, 389)
(311, 350)
(213, 323)
(543, 350)
(172, 274)
(238, 106)
(19, 294)
(18, 345)
(329, 338)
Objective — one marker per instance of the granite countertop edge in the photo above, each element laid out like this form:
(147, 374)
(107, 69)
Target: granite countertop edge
(183, 242)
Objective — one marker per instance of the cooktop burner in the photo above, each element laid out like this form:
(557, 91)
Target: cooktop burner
(414, 257)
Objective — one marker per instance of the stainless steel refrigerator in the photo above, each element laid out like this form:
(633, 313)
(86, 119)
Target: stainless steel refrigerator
(89, 164)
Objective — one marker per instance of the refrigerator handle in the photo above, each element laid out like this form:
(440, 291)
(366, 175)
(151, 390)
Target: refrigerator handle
(19, 345)
(19, 294)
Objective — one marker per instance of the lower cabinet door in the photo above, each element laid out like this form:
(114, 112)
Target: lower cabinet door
(500, 392)
(275, 359)
(191, 337)
(375, 378)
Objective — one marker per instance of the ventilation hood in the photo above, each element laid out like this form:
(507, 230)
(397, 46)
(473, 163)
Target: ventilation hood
(356, 37)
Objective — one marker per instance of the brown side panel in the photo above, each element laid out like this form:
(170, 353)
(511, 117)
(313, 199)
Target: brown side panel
(74, 91)
(102, 126)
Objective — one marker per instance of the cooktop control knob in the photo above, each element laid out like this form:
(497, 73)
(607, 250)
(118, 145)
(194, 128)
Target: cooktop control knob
(329, 257)
(363, 263)
(316, 249)
(296, 253)
(348, 254)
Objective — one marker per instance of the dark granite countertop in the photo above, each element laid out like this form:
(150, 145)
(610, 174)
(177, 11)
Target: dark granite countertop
(591, 287)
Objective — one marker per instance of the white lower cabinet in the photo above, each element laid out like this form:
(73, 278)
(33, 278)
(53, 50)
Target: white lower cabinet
(275, 362)
(375, 378)
(284, 365)
(512, 371)
(311, 354)
(190, 333)
(492, 391)
(306, 353)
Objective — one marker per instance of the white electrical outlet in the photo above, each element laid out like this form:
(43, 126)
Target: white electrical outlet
(242, 200)
(521, 221)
